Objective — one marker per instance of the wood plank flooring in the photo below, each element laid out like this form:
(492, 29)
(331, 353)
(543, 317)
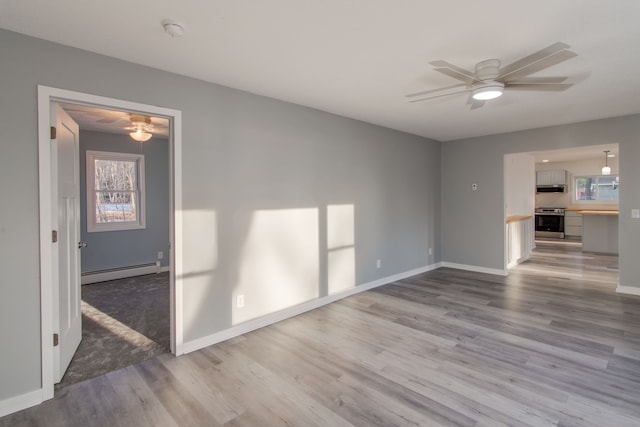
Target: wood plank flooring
(552, 344)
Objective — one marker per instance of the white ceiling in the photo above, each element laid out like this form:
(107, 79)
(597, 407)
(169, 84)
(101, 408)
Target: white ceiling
(111, 121)
(358, 58)
(572, 154)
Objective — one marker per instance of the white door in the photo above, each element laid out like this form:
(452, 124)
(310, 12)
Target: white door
(65, 183)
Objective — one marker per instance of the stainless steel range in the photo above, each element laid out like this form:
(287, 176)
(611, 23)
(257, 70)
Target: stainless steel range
(550, 222)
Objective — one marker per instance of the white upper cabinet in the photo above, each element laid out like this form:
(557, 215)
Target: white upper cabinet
(551, 177)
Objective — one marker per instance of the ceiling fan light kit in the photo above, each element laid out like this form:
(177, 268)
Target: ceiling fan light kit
(140, 136)
(141, 126)
(490, 91)
(489, 80)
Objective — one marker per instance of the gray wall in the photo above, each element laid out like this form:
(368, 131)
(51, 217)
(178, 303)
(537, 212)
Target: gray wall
(520, 184)
(472, 222)
(114, 249)
(242, 154)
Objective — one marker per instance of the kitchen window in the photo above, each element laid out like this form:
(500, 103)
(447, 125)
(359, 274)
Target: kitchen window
(597, 188)
(115, 191)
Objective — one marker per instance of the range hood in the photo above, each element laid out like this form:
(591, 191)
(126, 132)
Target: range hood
(551, 181)
(555, 188)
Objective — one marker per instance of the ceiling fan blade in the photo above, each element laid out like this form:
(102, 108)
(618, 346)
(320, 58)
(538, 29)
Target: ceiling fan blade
(474, 103)
(110, 119)
(534, 57)
(534, 67)
(456, 75)
(426, 92)
(542, 87)
(454, 71)
(538, 80)
(439, 93)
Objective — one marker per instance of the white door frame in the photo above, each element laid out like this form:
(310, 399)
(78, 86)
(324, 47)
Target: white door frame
(47, 95)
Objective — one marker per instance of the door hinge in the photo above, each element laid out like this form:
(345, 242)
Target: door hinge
(53, 132)
(56, 340)
(54, 236)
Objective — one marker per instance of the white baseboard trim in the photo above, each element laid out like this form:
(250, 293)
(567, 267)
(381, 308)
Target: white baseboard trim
(629, 290)
(121, 273)
(286, 313)
(524, 258)
(18, 403)
(475, 268)
(518, 261)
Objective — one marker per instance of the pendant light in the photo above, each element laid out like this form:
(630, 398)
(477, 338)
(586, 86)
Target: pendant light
(606, 170)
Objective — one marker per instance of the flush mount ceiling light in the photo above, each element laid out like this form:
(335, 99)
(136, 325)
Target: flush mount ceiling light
(606, 170)
(491, 90)
(141, 127)
(173, 28)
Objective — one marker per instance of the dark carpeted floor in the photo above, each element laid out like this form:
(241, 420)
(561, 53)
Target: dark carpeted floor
(124, 322)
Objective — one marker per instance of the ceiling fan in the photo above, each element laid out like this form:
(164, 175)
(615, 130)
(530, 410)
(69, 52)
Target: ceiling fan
(141, 127)
(489, 80)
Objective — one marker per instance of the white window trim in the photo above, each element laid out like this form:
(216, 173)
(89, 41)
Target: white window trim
(92, 225)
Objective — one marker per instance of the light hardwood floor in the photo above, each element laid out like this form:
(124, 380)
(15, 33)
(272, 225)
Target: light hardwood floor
(552, 344)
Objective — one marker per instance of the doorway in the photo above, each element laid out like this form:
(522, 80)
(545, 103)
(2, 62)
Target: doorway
(47, 98)
(124, 230)
(578, 187)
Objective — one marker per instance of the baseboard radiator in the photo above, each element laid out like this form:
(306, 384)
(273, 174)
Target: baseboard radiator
(120, 273)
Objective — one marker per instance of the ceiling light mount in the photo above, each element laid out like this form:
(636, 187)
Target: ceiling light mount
(173, 28)
(488, 69)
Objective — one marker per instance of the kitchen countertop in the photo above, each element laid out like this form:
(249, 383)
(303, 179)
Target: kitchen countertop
(598, 212)
(516, 218)
(593, 209)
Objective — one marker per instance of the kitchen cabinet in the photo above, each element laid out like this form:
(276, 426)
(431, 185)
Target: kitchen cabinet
(572, 224)
(551, 177)
(600, 231)
(520, 239)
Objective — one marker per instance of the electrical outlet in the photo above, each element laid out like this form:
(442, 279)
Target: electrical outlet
(160, 255)
(635, 213)
(378, 264)
(240, 301)
(474, 187)
(430, 251)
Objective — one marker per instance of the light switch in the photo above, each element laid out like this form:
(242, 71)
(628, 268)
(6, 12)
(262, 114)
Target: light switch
(635, 213)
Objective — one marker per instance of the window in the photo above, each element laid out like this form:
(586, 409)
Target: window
(115, 191)
(597, 188)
